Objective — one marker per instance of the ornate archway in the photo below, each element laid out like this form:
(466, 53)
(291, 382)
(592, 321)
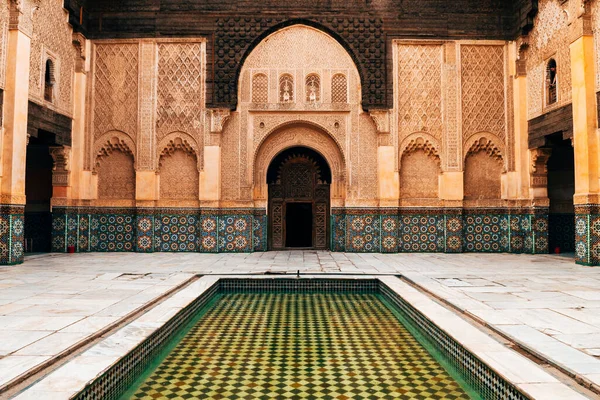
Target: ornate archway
(299, 180)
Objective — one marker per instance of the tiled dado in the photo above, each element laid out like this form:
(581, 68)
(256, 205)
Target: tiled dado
(587, 234)
(439, 230)
(12, 234)
(159, 230)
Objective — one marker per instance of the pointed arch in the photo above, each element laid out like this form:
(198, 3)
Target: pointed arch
(312, 24)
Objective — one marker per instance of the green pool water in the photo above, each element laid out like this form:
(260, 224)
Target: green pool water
(279, 346)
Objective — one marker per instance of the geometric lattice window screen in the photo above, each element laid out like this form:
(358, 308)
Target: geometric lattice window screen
(551, 84)
(286, 88)
(313, 88)
(339, 89)
(260, 88)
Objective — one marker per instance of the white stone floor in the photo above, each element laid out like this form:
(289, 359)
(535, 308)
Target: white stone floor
(546, 303)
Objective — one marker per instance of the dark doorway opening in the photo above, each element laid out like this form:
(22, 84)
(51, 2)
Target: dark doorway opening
(299, 225)
(38, 192)
(299, 180)
(561, 188)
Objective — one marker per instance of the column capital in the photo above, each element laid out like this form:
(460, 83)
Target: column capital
(381, 117)
(61, 155)
(579, 19)
(80, 43)
(218, 118)
(21, 15)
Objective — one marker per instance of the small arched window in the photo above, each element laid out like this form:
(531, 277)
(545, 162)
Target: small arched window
(49, 81)
(313, 88)
(551, 82)
(339, 89)
(286, 88)
(260, 89)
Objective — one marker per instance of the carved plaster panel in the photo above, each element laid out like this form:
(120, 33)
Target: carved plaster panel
(115, 90)
(52, 34)
(596, 31)
(420, 89)
(4, 17)
(180, 98)
(334, 124)
(483, 90)
(298, 51)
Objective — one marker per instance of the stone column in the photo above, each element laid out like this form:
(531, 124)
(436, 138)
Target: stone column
(388, 178)
(585, 135)
(14, 141)
(210, 177)
(80, 179)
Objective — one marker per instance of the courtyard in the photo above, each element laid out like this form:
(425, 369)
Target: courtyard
(55, 304)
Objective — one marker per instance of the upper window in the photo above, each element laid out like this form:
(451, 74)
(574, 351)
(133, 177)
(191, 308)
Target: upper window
(260, 89)
(286, 88)
(313, 88)
(49, 81)
(339, 89)
(551, 84)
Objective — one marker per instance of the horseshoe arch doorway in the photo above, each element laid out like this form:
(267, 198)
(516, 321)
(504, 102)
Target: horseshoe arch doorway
(299, 181)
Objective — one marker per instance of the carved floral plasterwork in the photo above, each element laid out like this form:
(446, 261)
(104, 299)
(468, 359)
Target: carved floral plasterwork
(299, 51)
(116, 88)
(483, 90)
(4, 17)
(180, 92)
(419, 89)
(52, 34)
(549, 38)
(596, 30)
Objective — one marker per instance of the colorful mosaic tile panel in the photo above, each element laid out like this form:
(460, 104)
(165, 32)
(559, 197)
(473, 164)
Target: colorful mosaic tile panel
(330, 346)
(540, 234)
(587, 235)
(59, 233)
(112, 232)
(486, 233)
(363, 233)
(145, 233)
(12, 235)
(235, 233)
(177, 233)
(389, 233)
(453, 234)
(422, 233)
(260, 232)
(338, 232)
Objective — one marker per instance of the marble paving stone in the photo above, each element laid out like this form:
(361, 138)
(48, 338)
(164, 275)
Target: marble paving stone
(547, 294)
(11, 341)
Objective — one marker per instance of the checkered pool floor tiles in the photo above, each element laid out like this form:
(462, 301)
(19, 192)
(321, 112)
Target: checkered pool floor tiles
(277, 346)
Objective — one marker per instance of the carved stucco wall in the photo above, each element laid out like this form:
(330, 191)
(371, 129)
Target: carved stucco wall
(419, 175)
(116, 176)
(450, 94)
(596, 30)
(178, 176)
(548, 39)
(3, 41)
(482, 176)
(299, 51)
(52, 38)
(149, 94)
(420, 89)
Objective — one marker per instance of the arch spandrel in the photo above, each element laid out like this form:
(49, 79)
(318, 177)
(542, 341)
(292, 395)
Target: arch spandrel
(294, 136)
